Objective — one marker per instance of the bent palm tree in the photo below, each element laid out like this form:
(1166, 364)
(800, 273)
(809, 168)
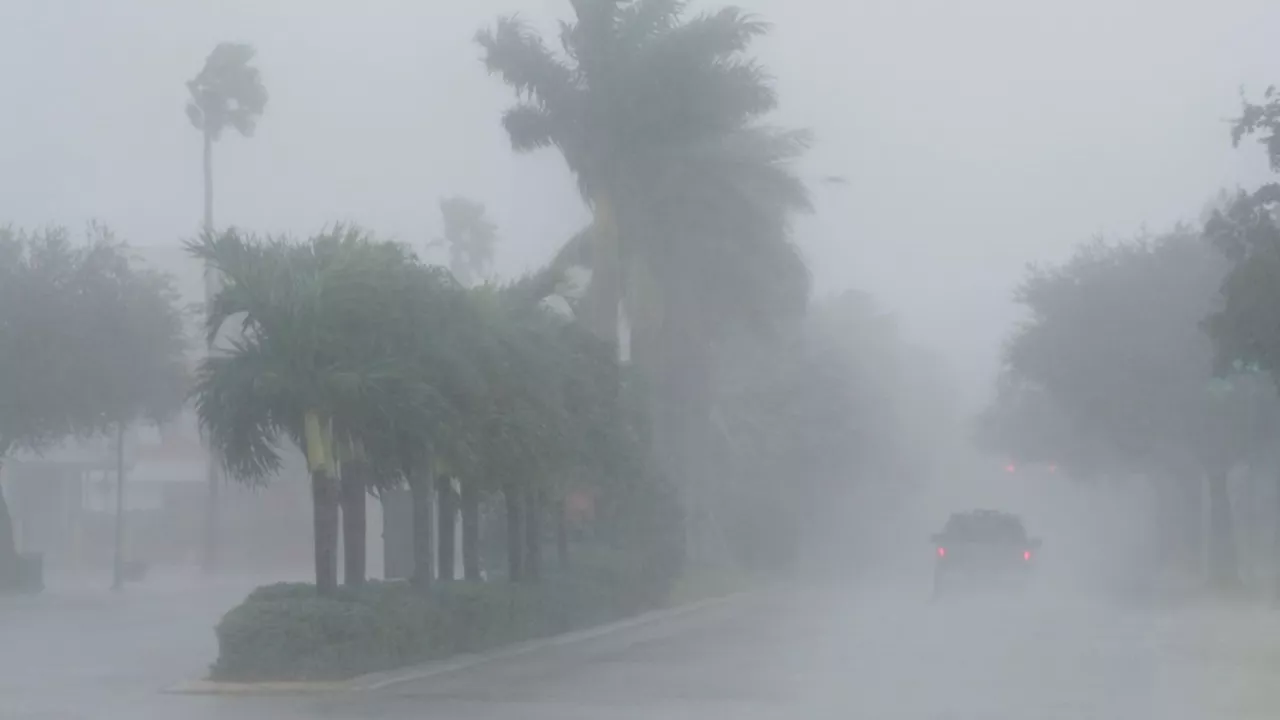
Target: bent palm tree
(658, 114)
(646, 105)
(227, 92)
(309, 316)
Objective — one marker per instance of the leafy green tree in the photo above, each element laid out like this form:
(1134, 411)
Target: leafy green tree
(1115, 340)
(1246, 229)
(313, 318)
(88, 344)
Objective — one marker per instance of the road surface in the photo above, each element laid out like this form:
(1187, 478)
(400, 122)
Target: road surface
(813, 653)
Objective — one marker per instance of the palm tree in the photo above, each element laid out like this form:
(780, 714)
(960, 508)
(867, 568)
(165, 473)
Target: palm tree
(658, 114)
(645, 103)
(227, 92)
(469, 236)
(309, 363)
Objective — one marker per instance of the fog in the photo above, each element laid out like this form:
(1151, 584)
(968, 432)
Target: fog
(975, 138)
(955, 144)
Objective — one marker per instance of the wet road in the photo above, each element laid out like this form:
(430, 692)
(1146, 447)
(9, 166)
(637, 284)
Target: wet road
(817, 653)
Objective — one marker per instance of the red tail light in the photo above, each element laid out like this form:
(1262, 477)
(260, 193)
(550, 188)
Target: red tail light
(1026, 554)
(942, 552)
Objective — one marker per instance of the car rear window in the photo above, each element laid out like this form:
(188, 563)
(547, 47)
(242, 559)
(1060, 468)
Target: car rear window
(985, 527)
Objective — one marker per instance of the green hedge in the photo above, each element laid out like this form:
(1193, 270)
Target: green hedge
(286, 632)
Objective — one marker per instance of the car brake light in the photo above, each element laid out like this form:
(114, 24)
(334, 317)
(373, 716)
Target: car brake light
(1026, 554)
(942, 552)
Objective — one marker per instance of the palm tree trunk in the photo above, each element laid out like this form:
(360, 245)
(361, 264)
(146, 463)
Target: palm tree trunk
(117, 566)
(1224, 571)
(448, 525)
(470, 531)
(605, 291)
(211, 288)
(515, 537)
(533, 534)
(420, 488)
(208, 181)
(355, 534)
(324, 503)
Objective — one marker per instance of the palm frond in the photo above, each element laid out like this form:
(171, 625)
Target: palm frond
(517, 54)
(643, 21)
(720, 35)
(243, 405)
(530, 127)
(228, 91)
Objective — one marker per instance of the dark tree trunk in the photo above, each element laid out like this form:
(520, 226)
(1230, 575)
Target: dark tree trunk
(8, 547)
(470, 531)
(1275, 560)
(420, 490)
(533, 534)
(562, 535)
(1189, 531)
(324, 502)
(448, 515)
(355, 535)
(117, 565)
(1224, 572)
(515, 532)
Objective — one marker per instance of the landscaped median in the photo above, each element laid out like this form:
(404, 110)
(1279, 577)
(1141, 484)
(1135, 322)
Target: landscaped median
(284, 638)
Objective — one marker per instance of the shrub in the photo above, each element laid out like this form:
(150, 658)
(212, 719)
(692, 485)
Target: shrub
(286, 631)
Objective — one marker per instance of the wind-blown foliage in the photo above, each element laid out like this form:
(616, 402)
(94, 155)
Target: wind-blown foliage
(88, 343)
(657, 113)
(1115, 357)
(227, 92)
(660, 114)
(468, 236)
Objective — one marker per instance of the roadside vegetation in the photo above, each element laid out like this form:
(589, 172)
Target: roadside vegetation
(673, 427)
(584, 482)
(1155, 359)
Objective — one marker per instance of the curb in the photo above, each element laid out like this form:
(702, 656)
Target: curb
(382, 680)
(211, 687)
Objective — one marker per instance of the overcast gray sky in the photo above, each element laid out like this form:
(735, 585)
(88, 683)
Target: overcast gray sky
(977, 135)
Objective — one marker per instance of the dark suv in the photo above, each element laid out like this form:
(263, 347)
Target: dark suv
(982, 549)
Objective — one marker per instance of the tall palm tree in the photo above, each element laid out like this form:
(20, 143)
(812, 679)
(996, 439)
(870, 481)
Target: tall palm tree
(645, 104)
(469, 236)
(308, 363)
(227, 92)
(659, 114)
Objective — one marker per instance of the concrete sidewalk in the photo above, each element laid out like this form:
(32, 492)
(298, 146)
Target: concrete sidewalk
(78, 650)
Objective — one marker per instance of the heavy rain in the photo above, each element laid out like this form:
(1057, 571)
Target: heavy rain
(707, 359)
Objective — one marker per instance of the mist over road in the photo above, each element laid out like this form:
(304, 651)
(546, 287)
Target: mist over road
(836, 652)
